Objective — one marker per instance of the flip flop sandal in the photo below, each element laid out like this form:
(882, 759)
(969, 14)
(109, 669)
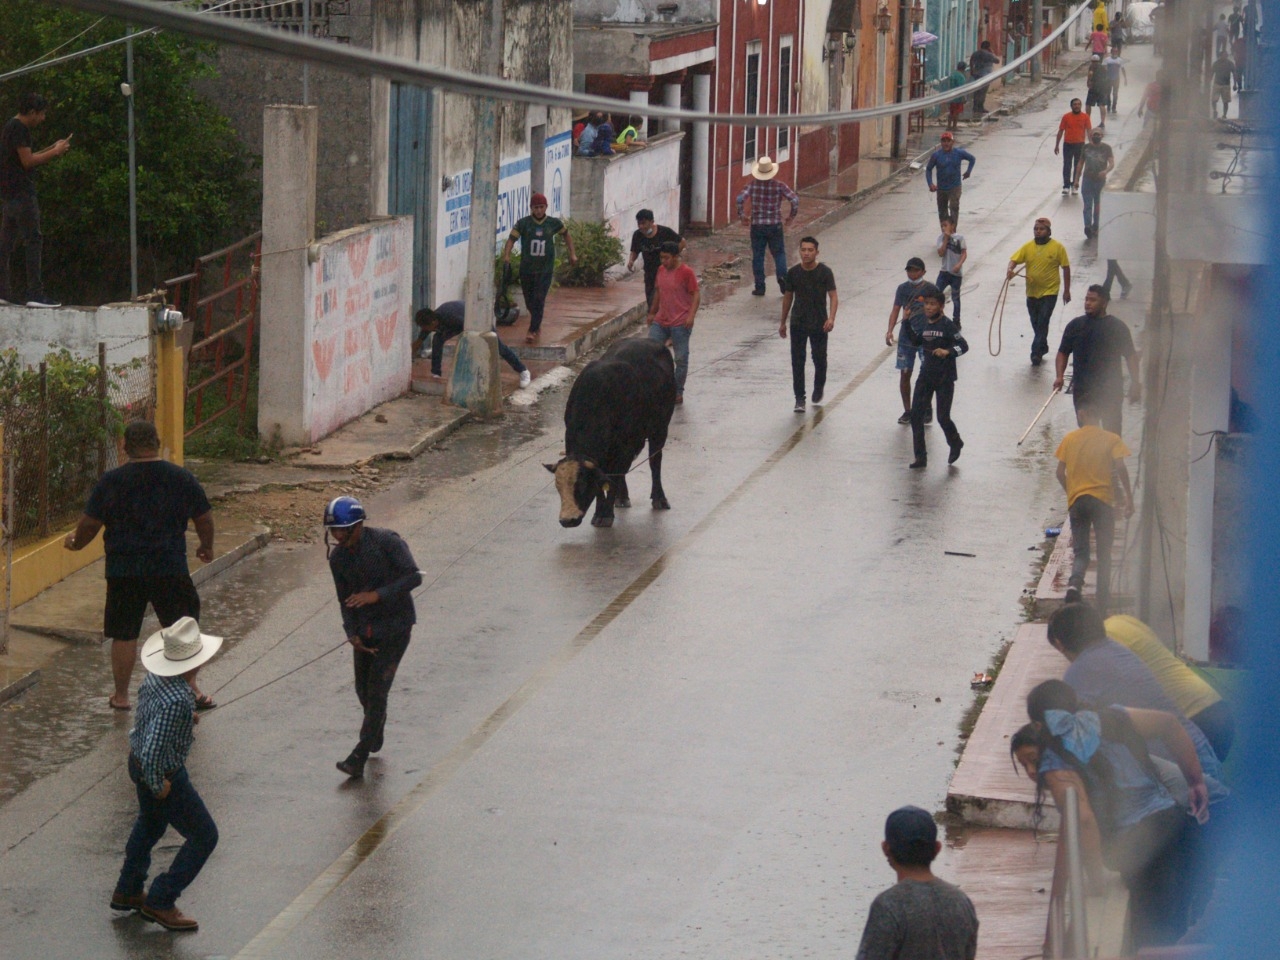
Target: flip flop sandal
(205, 702)
(111, 701)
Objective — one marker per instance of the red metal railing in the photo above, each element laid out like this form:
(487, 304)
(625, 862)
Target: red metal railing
(220, 297)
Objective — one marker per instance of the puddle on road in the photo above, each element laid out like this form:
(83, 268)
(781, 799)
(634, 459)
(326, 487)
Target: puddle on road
(65, 715)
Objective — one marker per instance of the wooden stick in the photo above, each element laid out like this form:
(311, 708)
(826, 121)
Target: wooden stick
(1038, 415)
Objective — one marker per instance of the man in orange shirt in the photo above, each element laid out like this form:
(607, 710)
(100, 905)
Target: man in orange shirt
(1073, 134)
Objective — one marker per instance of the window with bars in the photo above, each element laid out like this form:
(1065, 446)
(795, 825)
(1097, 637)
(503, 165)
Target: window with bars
(751, 103)
(785, 84)
(286, 14)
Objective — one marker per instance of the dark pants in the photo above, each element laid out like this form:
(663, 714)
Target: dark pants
(1040, 310)
(437, 353)
(949, 204)
(535, 289)
(375, 672)
(920, 403)
(951, 280)
(1072, 157)
(1218, 724)
(650, 284)
(980, 98)
(183, 810)
(1114, 273)
(20, 224)
(1110, 409)
(817, 340)
(172, 598)
(1157, 858)
(1088, 513)
(773, 237)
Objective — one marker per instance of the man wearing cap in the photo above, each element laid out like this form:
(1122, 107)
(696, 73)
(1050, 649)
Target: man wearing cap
(646, 243)
(161, 737)
(767, 228)
(1043, 257)
(947, 160)
(537, 234)
(374, 574)
(1073, 132)
(920, 917)
(145, 506)
(908, 296)
(1097, 162)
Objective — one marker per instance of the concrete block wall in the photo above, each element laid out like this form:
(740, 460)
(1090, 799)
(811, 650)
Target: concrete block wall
(123, 327)
(614, 188)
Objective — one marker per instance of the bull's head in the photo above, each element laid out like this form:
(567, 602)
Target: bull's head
(579, 482)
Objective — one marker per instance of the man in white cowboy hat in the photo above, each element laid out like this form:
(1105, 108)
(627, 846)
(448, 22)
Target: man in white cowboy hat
(158, 744)
(767, 228)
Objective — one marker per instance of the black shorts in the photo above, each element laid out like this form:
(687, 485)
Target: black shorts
(1093, 99)
(172, 598)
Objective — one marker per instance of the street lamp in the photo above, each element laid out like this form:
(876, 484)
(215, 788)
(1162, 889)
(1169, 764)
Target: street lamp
(917, 14)
(884, 19)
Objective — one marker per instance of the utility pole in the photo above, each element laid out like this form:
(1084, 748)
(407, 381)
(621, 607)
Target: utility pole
(901, 122)
(127, 90)
(474, 381)
(1035, 30)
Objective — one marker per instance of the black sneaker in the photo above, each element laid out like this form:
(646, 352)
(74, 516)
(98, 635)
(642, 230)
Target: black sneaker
(758, 292)
(955, 451)
(1072, 595)
(905, 418)
(817, 396)
(1035, 360)
(799, 407)
(918, 464)
(43, 302)
(353, 766)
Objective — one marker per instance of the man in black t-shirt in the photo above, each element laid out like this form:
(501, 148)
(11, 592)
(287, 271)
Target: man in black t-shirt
(1097, 342)
(809, 296)
(647, 242)
(19, 211)
(145, 506)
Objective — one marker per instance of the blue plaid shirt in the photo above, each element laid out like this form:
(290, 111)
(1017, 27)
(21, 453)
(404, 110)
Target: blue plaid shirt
(163, 729)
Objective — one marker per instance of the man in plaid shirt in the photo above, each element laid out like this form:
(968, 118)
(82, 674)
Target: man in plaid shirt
(158, 745)
(767, 227)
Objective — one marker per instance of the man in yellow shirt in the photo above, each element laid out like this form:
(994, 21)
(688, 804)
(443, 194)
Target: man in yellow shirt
(1043, 257)
(1087, 459)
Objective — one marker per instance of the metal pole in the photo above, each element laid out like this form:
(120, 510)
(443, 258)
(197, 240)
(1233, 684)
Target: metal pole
(902, 122)
(102, 408)
(8, 551)
(306, 67)
(133, 168)
(1034, 30)
(1077, 934)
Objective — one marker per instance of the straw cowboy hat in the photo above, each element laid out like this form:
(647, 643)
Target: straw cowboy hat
(178, 648)
(764, 169)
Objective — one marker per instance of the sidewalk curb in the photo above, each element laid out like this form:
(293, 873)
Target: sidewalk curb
(14, 687)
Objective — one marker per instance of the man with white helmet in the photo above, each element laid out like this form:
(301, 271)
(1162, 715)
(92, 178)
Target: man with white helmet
(374, 574)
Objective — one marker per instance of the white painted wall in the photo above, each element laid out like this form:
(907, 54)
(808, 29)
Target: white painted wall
(123, 327)
(358, 325)
(614, 188)
(454, 210)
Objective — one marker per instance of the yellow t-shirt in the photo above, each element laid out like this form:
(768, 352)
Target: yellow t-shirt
(1044, 262)
(1089, 453)
(1183, 685)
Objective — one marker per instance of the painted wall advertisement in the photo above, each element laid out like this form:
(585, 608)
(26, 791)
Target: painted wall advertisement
(359, 300)
(514, 189)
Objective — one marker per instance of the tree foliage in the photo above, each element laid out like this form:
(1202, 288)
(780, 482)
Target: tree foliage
(196, 191)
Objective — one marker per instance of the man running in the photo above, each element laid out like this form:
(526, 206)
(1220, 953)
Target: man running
(674, 309)
(536, 235)
(1044, 258)
(940, 343)
(951, 248)
(811, 302)
(1098, 343)
(909, 295)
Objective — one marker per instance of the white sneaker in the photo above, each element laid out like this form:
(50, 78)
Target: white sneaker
(43, 302)
(525, 378)
(1075, 191)
(1065, 191)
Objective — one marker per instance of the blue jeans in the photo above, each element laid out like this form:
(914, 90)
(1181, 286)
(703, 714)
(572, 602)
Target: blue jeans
(772, 236)
(953, 281)
(1040, 309)
(183, 810)
(1091, 190)
(679, 337)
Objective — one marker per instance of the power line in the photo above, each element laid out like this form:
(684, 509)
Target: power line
(367, 63)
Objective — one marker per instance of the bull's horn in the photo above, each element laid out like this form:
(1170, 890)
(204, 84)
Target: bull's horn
(551, 467)
(588, 464)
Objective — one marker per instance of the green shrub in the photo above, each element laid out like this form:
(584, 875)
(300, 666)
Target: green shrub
(597, 249)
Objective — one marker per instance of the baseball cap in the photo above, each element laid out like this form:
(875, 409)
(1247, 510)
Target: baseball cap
(1096, 56)
(907, 830)
(915, 263)
(538, 198)
(946, 135)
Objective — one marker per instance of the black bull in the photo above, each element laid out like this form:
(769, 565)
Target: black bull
(617, 404)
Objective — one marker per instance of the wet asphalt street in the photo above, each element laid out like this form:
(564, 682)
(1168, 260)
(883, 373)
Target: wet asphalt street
(676, 737)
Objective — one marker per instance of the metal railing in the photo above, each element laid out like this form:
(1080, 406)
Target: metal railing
(1068, 928)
